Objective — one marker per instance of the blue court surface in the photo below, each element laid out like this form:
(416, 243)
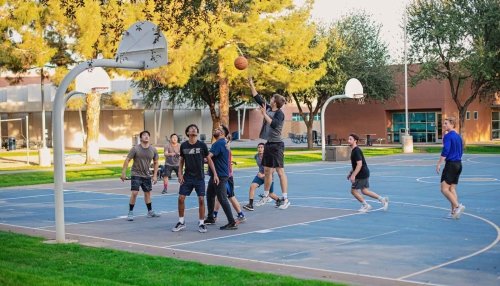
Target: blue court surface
(321, 235)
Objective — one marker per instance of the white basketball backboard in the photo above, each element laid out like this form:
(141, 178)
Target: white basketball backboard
(93, 80)
(143, 42)
(353, 88)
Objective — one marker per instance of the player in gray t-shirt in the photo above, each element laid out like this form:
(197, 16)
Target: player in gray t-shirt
(142, 154)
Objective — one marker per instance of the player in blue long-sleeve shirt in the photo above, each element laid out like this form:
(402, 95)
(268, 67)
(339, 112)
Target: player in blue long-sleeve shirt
(452, 154)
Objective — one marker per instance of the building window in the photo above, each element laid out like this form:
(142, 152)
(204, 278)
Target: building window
(467, 115)
(495, 125)
(296, 117)
(422, 126)
(476, 115)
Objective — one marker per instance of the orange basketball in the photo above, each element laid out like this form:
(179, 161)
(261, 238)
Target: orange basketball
(241, 63)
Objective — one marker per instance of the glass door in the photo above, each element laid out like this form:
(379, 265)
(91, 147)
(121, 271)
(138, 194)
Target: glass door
(439, 129)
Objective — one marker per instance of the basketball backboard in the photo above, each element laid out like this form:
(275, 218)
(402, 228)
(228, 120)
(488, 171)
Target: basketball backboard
(353, 89)
(93, 80)
(143, 42)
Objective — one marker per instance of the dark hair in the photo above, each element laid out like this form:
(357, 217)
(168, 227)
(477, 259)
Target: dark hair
(260, 144)
(280, 100)
(355, 136)
(225, 129)
(173, 135)
(189, 126)
(145, 131)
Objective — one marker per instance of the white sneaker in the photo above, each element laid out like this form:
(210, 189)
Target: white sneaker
(130, 216)
(385, 203)
(263, 201)
(449, 215)
(458, 211)
(365, 208)
(202, 228)
(285, 203)
(178, 227)
(152, 213)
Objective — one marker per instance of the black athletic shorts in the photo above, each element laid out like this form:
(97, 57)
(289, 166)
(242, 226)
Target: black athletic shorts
(168, 171)
(451, 172)
(274, 155)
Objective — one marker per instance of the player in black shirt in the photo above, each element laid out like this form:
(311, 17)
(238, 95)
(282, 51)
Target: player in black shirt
(359, 176)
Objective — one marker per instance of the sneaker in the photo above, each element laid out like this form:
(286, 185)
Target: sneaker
(365, 208)
(130, 216)
(278, 203)
(385, 203)
(202, 228)
(458, 211)
(179, 226)
(229, 226)
(449, 215)
(263, 201)
(164, 191)
(152, 213)
(241, 218)
(209, 221)
(248, 207)
(285, 203)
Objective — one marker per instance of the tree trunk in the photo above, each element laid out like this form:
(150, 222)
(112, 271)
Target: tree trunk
(223, 95)
(462, 110)
(215, 120)
(93, 112)
(309, 134)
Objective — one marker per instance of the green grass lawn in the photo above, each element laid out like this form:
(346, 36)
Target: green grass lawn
(26, 260)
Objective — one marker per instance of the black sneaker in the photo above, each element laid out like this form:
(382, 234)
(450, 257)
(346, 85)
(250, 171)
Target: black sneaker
(248, 207)
(278, 203)
(229, 226)
(209, 221)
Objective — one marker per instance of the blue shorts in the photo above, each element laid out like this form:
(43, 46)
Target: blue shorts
(141, 182)
(230, 187)
(191, 183)
(260, 182)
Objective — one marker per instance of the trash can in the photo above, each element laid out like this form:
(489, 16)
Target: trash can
(11, 143)
(136, 140)
(337, 153)
(235, 135)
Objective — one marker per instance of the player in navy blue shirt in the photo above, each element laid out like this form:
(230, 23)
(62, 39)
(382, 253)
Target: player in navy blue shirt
(452, 153)
(219, 176)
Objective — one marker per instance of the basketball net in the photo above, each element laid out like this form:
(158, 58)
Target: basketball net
(360, 97)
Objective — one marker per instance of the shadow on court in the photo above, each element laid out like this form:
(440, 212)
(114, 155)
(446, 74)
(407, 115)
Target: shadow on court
(321, 235)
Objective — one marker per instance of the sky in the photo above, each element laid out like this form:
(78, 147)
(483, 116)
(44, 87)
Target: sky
(388, 13)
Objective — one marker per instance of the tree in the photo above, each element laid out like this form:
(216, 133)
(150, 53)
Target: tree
(354, 49)
(270, 34)
(457, 41)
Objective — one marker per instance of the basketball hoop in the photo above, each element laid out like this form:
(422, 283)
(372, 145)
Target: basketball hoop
(100, 89)
(360, 97)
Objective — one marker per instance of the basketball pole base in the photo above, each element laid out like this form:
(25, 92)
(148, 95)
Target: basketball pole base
(407, 143)
(44, 157)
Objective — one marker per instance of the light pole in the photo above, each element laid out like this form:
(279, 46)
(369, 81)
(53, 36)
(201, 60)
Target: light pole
(407, 138)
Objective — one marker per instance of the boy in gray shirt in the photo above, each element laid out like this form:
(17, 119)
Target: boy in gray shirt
(142, 154)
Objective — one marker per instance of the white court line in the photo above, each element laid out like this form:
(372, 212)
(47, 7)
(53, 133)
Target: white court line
(346, 242)
(268, 229)
(114, 218)
(225, 257)
(488, 247)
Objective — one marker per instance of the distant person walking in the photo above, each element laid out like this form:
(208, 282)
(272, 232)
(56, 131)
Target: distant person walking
(359, 177)
(258, 180)
(193, 154)
(273, 158)
(142, 154)
(172, 156)
(451, 153)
